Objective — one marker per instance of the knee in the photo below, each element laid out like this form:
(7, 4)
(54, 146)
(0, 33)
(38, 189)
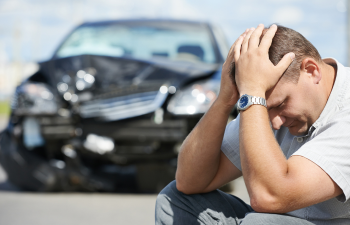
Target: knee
(163, 210)
(169, 188)
(168, 193)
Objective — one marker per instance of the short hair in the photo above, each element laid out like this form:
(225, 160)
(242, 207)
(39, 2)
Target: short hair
(288, 40)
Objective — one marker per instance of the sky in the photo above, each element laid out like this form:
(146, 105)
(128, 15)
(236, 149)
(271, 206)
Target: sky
(30, 30)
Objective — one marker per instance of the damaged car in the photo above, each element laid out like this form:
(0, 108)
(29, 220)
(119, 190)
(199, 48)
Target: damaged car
(111, 108)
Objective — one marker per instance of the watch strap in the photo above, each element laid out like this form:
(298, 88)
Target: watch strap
(258, 101)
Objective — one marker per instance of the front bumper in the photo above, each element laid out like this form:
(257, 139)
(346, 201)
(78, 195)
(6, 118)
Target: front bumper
(137, 140)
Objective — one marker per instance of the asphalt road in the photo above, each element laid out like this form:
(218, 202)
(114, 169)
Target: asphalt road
(18, 208)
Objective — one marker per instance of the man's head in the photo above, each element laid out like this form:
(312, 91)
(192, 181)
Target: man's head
(287, 40)
(299, 97)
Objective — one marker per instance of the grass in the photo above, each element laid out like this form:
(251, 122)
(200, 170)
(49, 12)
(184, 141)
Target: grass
(4, 108)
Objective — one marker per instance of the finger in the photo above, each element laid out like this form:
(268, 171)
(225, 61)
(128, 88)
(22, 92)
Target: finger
(246, 40)
(267, 39)
(285, 62)
(230, 53)
(255, 37)
(237, 49)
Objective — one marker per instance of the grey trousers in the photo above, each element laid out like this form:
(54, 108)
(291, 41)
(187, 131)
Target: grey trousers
(216, 207)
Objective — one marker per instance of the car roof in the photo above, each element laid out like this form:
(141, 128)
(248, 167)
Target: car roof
(145, 21)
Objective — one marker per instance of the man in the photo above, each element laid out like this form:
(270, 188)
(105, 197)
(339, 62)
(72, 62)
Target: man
(298, 172)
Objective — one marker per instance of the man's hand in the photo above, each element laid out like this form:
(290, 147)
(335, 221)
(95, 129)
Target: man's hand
(255, 73)
(228, 90)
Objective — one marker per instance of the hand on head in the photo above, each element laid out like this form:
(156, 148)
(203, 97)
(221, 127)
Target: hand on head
(254, 72)
(228, 89)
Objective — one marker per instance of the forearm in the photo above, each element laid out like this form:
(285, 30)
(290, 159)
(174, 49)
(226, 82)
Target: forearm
(264, 166)
(199, 157)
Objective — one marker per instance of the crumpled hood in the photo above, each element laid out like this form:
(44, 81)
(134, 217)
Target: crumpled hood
(114, 72)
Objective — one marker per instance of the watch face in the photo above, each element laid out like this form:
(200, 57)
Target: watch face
(243, 101)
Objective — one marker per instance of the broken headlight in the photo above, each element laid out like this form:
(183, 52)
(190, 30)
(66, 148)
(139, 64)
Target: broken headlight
(34, 99)
(195, 99)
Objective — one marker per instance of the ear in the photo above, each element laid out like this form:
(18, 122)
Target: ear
(310, 67)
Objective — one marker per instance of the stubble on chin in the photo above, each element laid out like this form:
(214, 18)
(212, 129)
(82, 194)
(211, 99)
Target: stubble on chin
(298, 130)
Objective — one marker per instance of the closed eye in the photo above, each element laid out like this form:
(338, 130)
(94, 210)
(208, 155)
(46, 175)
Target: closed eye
(275, 106)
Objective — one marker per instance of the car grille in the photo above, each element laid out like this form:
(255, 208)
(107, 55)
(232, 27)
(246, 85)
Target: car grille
(123, 107)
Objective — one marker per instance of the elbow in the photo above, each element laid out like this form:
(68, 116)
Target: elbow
(187, 187)
(267, 203)
(184, 188)
(183, 185)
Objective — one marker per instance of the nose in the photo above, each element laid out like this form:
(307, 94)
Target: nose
(277, 121)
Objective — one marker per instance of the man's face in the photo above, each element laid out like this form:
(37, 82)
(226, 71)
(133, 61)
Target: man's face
(291, 105)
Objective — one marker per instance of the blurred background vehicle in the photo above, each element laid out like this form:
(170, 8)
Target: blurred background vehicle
(110, 109)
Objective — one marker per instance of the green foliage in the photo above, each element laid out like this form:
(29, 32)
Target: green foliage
(4, 108)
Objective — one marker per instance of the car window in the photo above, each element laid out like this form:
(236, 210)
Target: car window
(187, 43)
(221, 40)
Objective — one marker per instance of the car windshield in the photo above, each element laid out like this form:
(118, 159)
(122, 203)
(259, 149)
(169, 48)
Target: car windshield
(173, 42)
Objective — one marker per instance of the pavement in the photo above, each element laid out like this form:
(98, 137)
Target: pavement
(31, 208)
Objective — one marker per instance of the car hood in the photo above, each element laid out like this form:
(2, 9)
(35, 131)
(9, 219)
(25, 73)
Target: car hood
(116, 72)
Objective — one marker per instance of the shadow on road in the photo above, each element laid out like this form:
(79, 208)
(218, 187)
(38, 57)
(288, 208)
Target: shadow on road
(7, 186)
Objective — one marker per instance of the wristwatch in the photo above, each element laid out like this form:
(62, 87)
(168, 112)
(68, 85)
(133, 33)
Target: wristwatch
(245, 101)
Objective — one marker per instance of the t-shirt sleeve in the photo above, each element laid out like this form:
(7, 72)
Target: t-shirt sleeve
(330, 150)
(230, 143)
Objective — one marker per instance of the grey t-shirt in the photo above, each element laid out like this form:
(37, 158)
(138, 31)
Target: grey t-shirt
(327, 144)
